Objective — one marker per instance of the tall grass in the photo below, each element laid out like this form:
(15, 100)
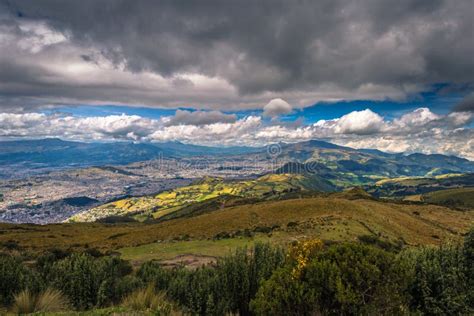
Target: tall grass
(24, 302)
(50, 300)
(148, 299)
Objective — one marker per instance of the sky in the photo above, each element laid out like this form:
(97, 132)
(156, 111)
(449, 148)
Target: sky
(391, 75)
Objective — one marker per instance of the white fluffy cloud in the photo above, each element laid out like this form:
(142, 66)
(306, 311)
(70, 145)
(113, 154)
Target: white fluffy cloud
(276, 107)
(360, 123)
(419, 117)
(417, 131)
(118, 127)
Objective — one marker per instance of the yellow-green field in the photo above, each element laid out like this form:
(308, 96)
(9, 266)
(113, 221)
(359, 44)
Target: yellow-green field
(167, 202)
(413, 181)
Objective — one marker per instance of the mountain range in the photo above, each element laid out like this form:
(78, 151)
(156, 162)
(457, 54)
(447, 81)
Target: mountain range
(357, 165)
(53, 153)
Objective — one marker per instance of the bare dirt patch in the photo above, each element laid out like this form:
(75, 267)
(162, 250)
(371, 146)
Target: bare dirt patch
(189, 261)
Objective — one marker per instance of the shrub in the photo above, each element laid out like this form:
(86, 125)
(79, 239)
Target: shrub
(282, 295)
(110, 271)
(240, 274)
(438, 281)
(469, 261)
(126, 285)
(198, 292)
(153, 272)
(78, 278)
(342, 279)
(50, 300)
(45, 261)
(356, 279)
(378, 242)
(226, 288)
(301, 252)
(89, 281)
(15, 277)
(468, 251)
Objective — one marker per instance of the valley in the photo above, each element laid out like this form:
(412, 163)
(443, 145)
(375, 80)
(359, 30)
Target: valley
(156, 188)
(198, 204)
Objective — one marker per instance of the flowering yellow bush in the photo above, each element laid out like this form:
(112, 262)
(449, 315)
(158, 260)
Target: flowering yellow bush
(301, 252)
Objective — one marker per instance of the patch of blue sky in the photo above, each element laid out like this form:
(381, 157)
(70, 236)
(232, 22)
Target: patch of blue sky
(437, 103)
(106, 110)
(437, 100)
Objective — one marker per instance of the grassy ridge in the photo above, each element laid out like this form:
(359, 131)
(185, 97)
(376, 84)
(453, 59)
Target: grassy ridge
(329, 218)
(460, 197)
(406, 186)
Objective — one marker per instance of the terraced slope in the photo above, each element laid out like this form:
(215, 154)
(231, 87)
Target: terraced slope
(269, 187)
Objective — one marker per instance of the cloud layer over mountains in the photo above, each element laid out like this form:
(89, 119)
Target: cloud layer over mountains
(236, 67)
(420, 130)
(229, 54)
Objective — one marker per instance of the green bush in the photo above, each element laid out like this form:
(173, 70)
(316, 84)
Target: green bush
(469, 262)
(240, 274)
(198, 292)
(45, 261)
(383, 244)
(153, 272)
(15, 277)
(339, 279)
(439, 284)
(88, 281)
(226, 288)
(348, 279)
(283, 295)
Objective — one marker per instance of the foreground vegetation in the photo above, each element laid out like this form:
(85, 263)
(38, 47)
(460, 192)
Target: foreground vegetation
(341, 253)
(307, 279)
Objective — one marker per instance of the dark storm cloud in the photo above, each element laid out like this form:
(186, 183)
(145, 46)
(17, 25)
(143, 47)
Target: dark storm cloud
(256, 46)
(466, 105)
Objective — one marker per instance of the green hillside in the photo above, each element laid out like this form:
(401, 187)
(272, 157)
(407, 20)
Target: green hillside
(410, 186)
(344, 165)
(459, 197)
(204, 192)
